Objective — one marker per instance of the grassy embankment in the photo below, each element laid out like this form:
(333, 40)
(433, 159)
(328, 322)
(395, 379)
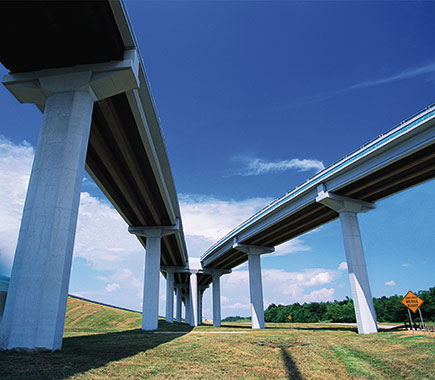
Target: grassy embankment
(105, 343)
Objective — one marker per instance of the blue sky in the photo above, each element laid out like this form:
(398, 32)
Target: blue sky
(254, 98)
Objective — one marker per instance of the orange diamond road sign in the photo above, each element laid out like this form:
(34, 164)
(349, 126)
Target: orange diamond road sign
(289, 317)
(412, 302)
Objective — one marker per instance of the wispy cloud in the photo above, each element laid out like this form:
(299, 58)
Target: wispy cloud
(405, 74)
(258, 166)
(402, 75)
(390, 283)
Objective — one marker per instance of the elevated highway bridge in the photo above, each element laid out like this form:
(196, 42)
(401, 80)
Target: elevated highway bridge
(80, 64)
(396, 160)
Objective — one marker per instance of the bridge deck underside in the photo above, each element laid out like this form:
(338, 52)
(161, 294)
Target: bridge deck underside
(118, 162)
(55, 34)
(402, 174)
(39, 35)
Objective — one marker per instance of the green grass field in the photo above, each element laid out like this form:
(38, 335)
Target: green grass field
(106, 343)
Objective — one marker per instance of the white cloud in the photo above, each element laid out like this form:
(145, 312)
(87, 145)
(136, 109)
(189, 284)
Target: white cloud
(342, 266)
(291, 246)
(390, 283)
(258, 166)
(15, 165)
(279, 286)
(207, 219)
(112, 287)
(405, 265)
(238, 306)
(321, 295)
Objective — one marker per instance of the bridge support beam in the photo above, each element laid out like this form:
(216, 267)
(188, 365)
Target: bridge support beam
(255, 282)
(178, 303)
(150, 308)
(362, 297)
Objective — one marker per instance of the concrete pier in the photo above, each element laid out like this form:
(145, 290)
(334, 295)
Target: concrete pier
(150, 307)
(194, 299)
(255, 282)
(36, 303)
(179, 304)
(256, 291)
(358, 276)
(169, 296)
(359, 281)
(35, 307)
(216, 301)
(154, 234)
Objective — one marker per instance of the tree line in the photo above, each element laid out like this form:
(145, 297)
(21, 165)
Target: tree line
(388, 309)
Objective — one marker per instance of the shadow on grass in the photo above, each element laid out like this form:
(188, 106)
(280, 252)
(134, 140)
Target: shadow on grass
(80, 354)
(327, 328)
(290, 366)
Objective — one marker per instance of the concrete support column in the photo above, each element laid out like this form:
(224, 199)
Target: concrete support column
(36, 303)
(178, 304)
(255, 281)
(201, 290)
(200, 316)
(194, 299)
(150, 307)
(256, 291)
(4, 286)
(187, 310)
(170, 297)
(358, 276)
(150, 310)
(2, 304)
(359, 281)
(216, 301)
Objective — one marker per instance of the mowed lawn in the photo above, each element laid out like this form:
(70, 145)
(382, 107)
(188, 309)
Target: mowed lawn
(105, 343)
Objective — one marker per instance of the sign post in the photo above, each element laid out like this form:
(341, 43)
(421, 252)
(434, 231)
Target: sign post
(412, 324)
(413, 303)
(421, 317)
(290, 318)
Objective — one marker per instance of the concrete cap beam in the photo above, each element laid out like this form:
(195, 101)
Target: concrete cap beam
(252, 249)
(155, 231)
(340, 203)
(101, 80)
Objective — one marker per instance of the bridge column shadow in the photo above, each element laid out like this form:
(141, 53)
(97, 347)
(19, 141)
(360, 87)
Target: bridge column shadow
(80, 354)
(290, 366)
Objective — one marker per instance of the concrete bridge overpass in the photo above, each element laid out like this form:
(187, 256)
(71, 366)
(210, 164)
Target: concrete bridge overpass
(80, 64)
(398, 159)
